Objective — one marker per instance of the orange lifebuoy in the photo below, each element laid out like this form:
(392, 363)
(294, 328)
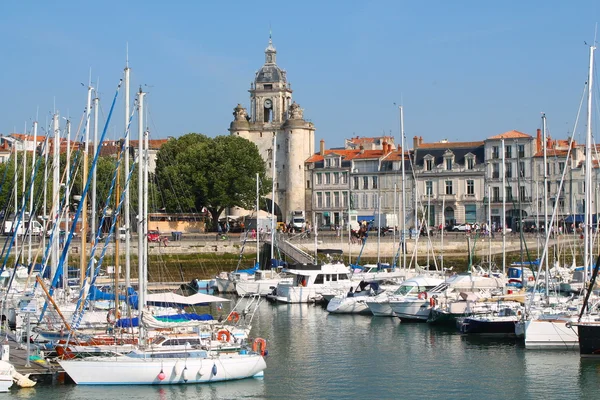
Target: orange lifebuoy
(531, 278)
(224, 335)
(423, 296)
(260, 343)
(234, 316)
(432, 302)
(112, 317)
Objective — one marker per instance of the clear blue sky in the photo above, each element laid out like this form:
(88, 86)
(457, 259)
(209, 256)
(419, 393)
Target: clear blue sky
(464, 70)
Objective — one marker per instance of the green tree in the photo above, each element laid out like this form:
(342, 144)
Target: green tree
(195, 171)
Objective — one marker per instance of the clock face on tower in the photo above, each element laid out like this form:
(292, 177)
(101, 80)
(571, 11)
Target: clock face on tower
(268, 103)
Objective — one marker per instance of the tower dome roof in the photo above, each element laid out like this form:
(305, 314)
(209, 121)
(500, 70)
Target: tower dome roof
(270, 72)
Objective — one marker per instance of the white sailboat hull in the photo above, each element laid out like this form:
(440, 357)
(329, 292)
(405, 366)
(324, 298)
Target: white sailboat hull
(124, 370)
(551, 334)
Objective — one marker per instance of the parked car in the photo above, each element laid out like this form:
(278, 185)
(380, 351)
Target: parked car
(459, 228)
(153, 236)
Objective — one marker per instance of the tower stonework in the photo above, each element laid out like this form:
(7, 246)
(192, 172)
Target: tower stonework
(273, 114)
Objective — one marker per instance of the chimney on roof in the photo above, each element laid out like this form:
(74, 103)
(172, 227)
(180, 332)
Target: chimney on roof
(416, 142)
(384, 147)
(322, 147)
(548, 143)
(538, 141)
(420, 140)
(362, 149)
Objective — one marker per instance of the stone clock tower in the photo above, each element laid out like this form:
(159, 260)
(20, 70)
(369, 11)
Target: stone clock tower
(275, 119)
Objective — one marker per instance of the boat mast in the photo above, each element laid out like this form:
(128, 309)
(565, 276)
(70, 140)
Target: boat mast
(546, 194)
(442, 233)
(274, 152)
(587, 262)
(67, 196)
(127, 197)
(84, 221)
(141, 212)
(55, 214)
(25, 230)
(403, 225)
(15, 180)
(93, 218)
(521, 238)
(503, 218)
(537, 216)
(35, 126)
(489, 221)
(257, 219)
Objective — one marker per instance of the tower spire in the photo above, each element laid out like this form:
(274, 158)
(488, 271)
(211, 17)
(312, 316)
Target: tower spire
(270, 51)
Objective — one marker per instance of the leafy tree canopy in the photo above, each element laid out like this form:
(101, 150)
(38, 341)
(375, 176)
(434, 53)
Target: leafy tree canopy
(195, 171)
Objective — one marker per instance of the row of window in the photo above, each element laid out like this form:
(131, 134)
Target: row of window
(508, 193)
(470, 214)
(327, 178)
(331, 199)
(552, 168)
(508, 151)
(448, 163)
(508, 170)
(449, 187)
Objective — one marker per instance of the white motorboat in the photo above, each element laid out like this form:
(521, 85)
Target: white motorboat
(355, 301)
(263, 283)
(418, 307)
(380, 304)
(310, 282)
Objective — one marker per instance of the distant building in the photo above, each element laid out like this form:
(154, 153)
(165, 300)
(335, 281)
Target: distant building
(519, 149)
(273, 114)
(450, 181)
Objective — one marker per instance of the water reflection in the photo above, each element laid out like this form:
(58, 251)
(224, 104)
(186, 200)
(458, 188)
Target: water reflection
(317, 355)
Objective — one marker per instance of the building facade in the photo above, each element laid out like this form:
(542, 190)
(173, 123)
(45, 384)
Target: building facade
(450, 181)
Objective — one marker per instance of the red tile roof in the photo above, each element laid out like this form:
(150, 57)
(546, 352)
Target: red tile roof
(552, 153)
(346, 154)
(397, 156)
(512, 135)
(28, 138)
(369, 154)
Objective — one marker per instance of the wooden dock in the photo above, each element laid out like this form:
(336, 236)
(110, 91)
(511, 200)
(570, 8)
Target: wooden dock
(46, 372)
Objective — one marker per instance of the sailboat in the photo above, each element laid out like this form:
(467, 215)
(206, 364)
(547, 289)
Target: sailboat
(164, 364)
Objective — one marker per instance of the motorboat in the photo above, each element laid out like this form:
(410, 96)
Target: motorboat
(310, 281)
(380, 305)
(456, 287)
(263, 282)
(355, 300)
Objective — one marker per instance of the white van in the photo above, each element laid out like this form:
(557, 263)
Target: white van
(36, 228)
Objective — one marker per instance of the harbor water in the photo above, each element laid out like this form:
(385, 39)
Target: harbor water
(315, 355)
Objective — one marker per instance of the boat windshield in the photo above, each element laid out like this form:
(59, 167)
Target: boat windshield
(403, 290)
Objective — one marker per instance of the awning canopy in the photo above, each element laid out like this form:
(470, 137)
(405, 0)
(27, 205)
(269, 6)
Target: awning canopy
(170, 299)
(579, 218)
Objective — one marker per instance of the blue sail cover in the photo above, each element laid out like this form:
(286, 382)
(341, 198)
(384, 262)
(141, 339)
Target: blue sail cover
(133, 322)
(249, 271)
